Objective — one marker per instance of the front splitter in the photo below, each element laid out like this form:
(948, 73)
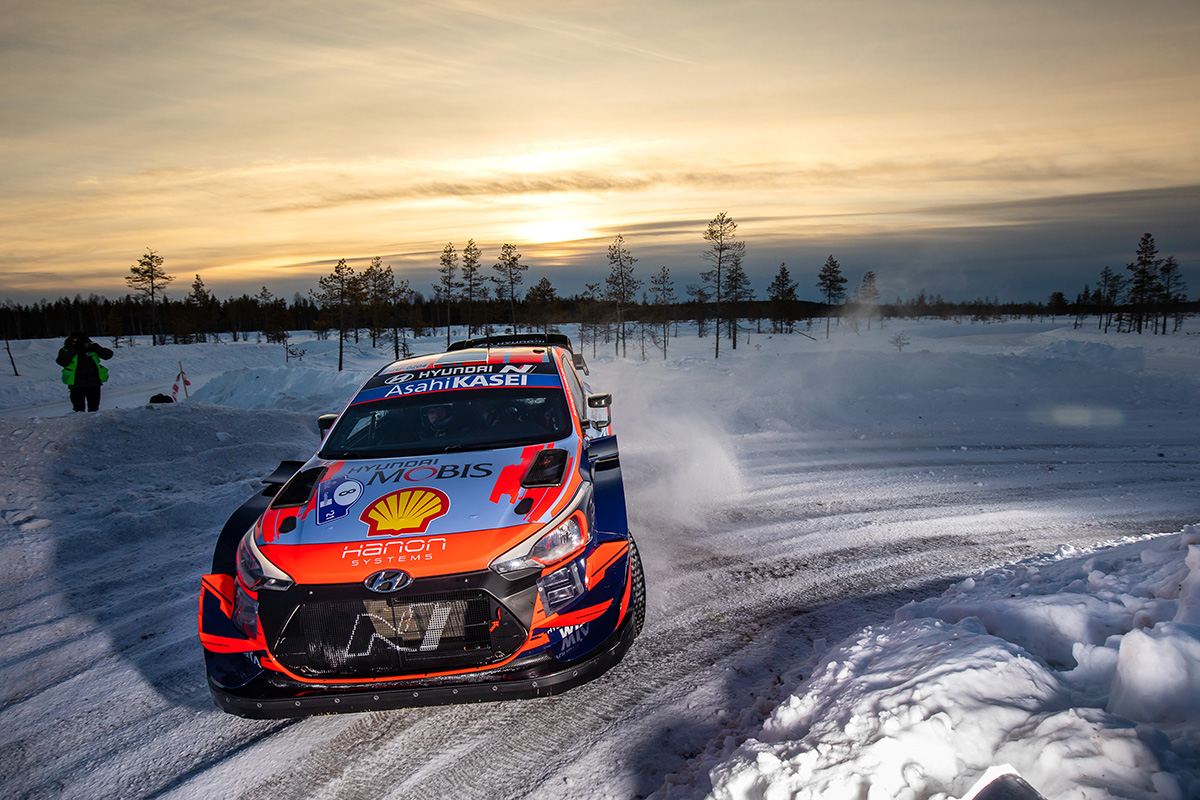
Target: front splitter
(254, 702)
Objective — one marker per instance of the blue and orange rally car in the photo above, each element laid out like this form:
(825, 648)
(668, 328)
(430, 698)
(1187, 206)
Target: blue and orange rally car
(460, 536)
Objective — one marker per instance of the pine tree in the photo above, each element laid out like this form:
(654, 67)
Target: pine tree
(1083, 303)
(338, 294)
(620, 287)
(473, 289)
(737, 291)
(664, 299)
(868, 296)
(114, 326)
(271, 324)
(1144, 284)
(1174, 290)
(589, 313)
(782, 295)
(276, 327)
(149, 278)
(446, 286)
(264, 299)
(1057, 304)
(509, 275)
(541, 301)
(720, 234)
(201, 302)
(832, 284)
(379, 284)
(1112, 283)
(700, 298)
(400, 297)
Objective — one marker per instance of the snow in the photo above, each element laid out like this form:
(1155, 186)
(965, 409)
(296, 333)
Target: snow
(1076, 670)
(871, 574)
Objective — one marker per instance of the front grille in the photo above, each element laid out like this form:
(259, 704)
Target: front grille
(396, 636)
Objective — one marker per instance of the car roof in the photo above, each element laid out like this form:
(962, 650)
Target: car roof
(496, 355)
(518, 349)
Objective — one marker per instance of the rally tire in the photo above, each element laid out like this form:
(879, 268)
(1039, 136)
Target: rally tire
(638, 596)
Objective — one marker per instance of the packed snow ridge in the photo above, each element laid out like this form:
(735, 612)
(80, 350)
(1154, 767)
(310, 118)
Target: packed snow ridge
(1082, 672)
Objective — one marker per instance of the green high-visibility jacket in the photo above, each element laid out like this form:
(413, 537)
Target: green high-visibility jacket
(68, 373)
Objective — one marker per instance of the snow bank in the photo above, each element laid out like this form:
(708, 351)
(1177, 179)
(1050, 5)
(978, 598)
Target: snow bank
(295, 388)
(1128, 359)
(1082, 672)
(312, 383)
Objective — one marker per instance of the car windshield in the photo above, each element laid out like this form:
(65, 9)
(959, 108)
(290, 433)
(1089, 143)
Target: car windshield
(440, 422)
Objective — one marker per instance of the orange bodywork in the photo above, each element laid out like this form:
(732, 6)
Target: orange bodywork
(223, 587)
(458, 532)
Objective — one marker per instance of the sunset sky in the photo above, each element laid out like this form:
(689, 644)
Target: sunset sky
(967, 147)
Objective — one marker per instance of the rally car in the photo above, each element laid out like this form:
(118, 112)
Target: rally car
(461, 535)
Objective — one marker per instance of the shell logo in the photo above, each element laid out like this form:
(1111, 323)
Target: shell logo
(405, 511)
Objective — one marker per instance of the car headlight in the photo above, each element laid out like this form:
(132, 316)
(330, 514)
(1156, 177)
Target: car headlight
(245, 612)
(563, 586)
(255, 572)
(564, 540)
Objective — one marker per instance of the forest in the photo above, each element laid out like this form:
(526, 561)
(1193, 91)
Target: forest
(1150, 296)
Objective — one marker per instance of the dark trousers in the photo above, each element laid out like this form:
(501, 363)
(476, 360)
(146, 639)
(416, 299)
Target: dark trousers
(89, 394)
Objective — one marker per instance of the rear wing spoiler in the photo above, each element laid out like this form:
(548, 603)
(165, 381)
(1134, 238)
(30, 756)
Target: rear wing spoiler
(525, 340)
(515, 340)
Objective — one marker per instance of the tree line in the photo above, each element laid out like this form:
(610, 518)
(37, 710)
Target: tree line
(373, 303)
(1152, 295)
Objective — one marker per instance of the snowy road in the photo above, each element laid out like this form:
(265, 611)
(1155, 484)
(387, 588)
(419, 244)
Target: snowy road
(783, 498)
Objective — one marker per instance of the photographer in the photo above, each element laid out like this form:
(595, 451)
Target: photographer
(82, 371)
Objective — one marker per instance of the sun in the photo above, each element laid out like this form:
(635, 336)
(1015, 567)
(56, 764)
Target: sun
(549, 231)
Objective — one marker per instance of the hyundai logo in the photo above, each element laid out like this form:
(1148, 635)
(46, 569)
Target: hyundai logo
(388, 580)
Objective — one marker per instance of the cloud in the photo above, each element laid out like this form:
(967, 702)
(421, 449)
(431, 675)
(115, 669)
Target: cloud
(500, 186)
(1170, 205)
(595, 33)
(944, 134)
(891, 181)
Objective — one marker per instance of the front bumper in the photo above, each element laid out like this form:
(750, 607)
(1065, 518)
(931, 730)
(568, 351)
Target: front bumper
(262, 698)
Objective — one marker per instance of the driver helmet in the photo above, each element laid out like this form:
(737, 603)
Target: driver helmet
(437, 416)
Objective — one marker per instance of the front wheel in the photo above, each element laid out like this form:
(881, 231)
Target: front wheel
(637, 600)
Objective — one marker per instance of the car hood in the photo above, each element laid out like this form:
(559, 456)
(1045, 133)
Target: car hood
(471, 504)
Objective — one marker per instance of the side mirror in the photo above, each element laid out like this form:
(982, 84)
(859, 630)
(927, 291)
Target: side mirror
(325, 422)
(601, 400)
